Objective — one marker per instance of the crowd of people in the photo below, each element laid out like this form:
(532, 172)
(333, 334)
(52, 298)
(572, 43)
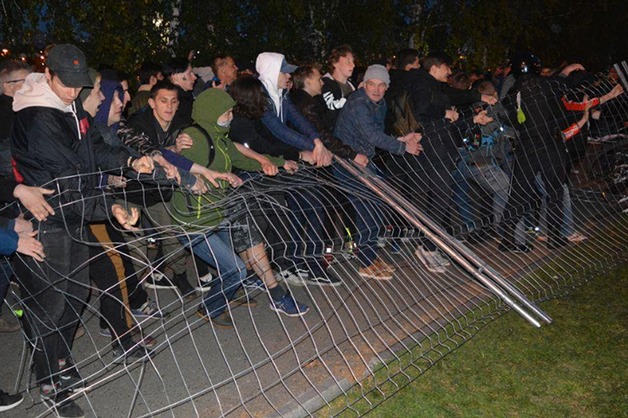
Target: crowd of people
(94, 179)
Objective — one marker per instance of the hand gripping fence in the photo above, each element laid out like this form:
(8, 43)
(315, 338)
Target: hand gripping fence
(459, 252)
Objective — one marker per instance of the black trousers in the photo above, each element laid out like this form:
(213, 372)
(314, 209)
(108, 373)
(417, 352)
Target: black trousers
(53, 294)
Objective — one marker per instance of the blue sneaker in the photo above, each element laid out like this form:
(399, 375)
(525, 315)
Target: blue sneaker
(289, 306)
(254, 283)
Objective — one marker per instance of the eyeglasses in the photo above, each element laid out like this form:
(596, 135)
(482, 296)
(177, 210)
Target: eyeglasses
(16, 81)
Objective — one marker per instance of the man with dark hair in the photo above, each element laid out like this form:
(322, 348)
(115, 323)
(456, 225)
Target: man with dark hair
(408, 59)
(336, 84)
(179, 72)
(148, 74)
(432, 102)
(50, 144)
(225, 72)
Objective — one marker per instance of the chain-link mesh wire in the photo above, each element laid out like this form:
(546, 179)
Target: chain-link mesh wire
(558, 203)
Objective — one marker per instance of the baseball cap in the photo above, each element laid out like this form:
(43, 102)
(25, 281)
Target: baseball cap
(287, 68)
(69, 64)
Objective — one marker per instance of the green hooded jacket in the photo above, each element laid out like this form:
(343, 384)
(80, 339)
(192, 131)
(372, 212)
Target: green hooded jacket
(200, 211)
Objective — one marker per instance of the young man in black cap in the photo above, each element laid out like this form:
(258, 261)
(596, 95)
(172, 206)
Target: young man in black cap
(50, 146)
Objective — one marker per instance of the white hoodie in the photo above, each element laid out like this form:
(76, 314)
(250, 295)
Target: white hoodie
(37, 92)
(268, 66)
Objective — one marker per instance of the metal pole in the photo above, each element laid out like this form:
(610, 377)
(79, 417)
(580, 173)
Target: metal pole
(467, 252)
(443, 240)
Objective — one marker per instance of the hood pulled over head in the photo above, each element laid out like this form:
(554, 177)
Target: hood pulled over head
(209, 106)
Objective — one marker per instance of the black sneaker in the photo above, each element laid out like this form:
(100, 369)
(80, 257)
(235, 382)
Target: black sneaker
(61, 404)
(323, 279)
(70, 379)
(9, 401)
(137, 352)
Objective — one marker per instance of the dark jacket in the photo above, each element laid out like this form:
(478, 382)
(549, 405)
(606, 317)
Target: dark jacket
(48, 149)
(302, 136)
(314, 110)
(186, 102)
(6, 120)
(361, 126)
(254, 134)
(430, 98)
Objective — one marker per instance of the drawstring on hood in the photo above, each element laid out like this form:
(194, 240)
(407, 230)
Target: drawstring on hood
(268, 66)
(37, 92)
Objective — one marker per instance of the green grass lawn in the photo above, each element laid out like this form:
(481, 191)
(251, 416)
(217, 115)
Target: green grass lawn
(575, 367)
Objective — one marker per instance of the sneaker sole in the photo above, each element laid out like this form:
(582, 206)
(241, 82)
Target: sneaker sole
(281, 311)
(322, 283)
(376, 277)
(158, 286)
(13, 405)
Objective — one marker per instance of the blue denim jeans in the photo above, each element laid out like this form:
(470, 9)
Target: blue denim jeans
(567, 228)
(215, 248)
(490, 178)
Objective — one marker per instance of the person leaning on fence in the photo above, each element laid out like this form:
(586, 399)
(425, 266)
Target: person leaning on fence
(307, 97)
(486, 150)
(429, 181)
(50, 145)
(248, 130)
(102, 235)
(215, 230)
(361, 126)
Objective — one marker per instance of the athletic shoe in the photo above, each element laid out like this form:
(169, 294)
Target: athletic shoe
(9, 401)
(105, 332)
(576, 237)
(6, 326)
(442, 259)
(254, 283)
(137, 352)
(323, 279)
(203, 284)
(289, 306)
(61, 404)
(291, 276)
(70, 378)
(221, 321)
(378, 270)
(430, 260)
(157, 280)
(148, 310)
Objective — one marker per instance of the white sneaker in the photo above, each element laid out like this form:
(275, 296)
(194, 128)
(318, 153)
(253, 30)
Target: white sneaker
(442, 259)
(157, 280)
(203, 283)
(430, 260)
(291, 277)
